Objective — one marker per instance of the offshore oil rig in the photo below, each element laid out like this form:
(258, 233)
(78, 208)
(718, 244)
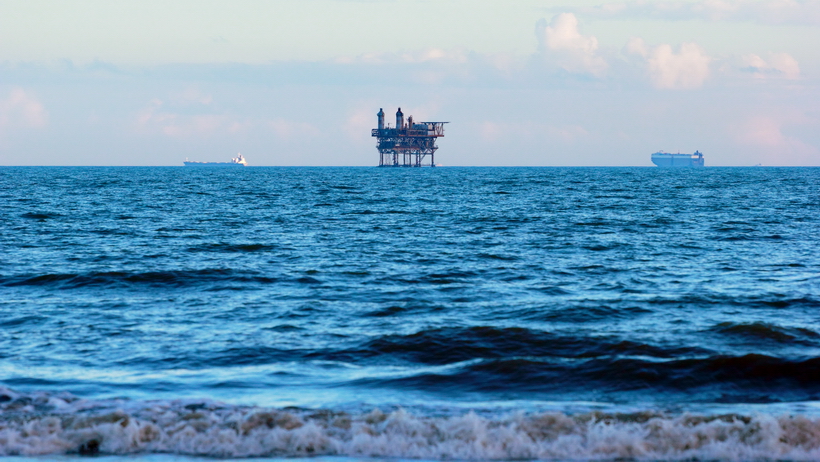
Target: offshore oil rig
(407, 144)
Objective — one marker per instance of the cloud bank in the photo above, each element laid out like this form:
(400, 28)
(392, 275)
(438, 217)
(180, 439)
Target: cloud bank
(688, 68)
(562, 42)
(776, 65)
(794, 12)
(20, 109)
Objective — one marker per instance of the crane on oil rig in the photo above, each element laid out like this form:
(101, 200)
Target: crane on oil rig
(407, 144)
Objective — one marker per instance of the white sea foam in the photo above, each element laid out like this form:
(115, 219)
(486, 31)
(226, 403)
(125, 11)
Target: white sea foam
(43, 424)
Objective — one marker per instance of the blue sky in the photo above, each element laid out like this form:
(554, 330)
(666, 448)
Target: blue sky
(288, 82)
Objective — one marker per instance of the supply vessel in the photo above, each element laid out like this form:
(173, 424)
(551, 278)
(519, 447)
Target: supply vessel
(666, 159)
(238, 161)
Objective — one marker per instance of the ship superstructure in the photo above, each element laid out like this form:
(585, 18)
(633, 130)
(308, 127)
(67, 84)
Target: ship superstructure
(238, 161)
(409, 143)
(666, 159)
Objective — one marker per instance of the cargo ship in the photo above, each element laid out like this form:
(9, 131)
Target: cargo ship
(665, 159)
(238, 161)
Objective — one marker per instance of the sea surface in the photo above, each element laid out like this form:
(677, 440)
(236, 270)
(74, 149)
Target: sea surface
(448, 313)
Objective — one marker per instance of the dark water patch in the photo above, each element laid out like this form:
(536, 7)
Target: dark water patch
(731, 300)
(231, 288)
(686, 245)
(729, 379)
(413, 309)
(492, 256)
(232, 248)
(766, 331)
(111, 232)
(513, 278)
(40, 216)
(736, 237)
(357, 273)
(284, 328)
(599, 270)
(552, 290)
(586, 314)
(449, 277)
(23, 320)
(387, 312)
(173, 278)
(166, 229)
(735, 229)
(42, 280)
(603, 247)
(308, 280)
(452, 345)
(786, 302)
(180, 278)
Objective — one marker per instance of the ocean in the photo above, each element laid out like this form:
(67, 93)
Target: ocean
(172, 313)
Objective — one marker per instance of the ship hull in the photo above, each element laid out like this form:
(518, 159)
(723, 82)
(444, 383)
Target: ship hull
(677, 160)
(213, 164)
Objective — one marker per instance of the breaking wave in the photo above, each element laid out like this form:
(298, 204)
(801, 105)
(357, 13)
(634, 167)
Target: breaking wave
(46, 424)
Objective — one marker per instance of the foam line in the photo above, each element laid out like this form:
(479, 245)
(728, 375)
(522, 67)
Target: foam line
(43, 424)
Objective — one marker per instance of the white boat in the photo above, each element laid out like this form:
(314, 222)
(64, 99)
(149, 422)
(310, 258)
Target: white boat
(238, 161)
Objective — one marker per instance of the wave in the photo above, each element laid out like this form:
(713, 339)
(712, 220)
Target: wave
(40, 216)
(455, 344)
(46, 424)
(223, 247)
(757, 331)
(726, 379)
(762, 300)
(180, 278)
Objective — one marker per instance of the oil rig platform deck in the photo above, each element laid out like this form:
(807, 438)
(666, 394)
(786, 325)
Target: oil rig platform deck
(407, 144)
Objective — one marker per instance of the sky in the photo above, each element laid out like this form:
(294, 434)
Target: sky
(299, 82)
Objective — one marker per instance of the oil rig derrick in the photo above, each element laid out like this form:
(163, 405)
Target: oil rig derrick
(407, 144)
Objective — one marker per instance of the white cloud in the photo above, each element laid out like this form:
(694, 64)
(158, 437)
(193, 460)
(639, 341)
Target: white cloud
(777, 65)
(765, 133)
(20, 109)
(561, 41)
(764, 12)
(154, 117)
(688, 68)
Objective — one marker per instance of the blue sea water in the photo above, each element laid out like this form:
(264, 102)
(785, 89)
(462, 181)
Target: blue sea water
(447, 313)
